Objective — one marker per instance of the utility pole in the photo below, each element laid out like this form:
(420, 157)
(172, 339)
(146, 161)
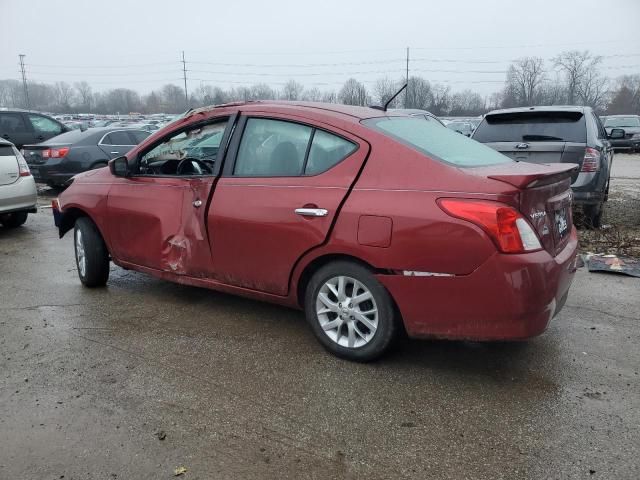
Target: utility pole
(184, 72)
(406, 93)
(24, 81)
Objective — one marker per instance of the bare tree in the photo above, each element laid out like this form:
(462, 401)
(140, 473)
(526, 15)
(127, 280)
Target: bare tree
(383, 90)
(262, 91)
(466, 102)
(626, 96)
(418, 94)
(64, 96)
(575, 65)
(173, 98)
(85, 93)
(353, 93)
(525, 77)
(292, 90)
(441, 99)
(330, 97)
(312, 95)
(592, 89)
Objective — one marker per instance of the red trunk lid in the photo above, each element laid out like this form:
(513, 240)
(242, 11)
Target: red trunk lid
(545, 197)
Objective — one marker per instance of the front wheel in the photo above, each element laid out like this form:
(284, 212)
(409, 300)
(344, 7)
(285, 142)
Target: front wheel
(13, 220)
(350, 312)
(92, 257)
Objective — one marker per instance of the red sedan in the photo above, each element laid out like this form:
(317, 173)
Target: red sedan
(368, 220)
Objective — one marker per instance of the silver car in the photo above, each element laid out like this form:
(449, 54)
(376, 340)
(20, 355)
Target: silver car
(18, 195)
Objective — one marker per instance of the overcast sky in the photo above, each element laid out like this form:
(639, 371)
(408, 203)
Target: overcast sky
(464, 43)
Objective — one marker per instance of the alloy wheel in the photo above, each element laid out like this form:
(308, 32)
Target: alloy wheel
(347, 311)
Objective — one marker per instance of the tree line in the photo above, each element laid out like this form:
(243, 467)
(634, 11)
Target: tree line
(571, 78)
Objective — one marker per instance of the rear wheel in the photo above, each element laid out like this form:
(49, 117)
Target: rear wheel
(92, 257)
(593, 215)
(350, 312)
(14, 220)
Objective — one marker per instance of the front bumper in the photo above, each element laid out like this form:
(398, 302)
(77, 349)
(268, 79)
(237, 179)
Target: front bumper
(19, 196)
(509, 297)
(626, 144)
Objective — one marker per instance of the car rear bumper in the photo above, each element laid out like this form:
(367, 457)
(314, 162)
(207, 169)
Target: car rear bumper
(509, 297)
(49, 174)
(19, 196)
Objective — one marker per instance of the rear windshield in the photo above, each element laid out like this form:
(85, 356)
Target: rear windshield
(6, 151)
(443, 144)
(622, 122)
(532, 127)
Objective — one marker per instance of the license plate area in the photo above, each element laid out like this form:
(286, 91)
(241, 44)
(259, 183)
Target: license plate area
(561, 222)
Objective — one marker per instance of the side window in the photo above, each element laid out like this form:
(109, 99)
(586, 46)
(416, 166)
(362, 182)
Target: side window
(189, 152)
(138, 136)
(272, 148)
(326, 151)
(117, 138)
(44, 125)
(12, 123)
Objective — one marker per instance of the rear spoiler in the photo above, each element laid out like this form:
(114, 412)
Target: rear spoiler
(529, 175)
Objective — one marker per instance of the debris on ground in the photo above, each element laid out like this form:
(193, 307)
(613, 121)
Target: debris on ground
(161, 434)
(613, 264)
(179, 471)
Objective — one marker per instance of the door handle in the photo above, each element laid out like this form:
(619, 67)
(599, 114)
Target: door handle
(115, 153)
(197, 203)
(312, 212)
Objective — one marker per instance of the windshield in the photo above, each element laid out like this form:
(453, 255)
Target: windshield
(428, 137)
(532, 127)
(622, 122)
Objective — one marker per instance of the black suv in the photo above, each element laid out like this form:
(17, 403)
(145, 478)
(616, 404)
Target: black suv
(554, 135)
(23, 127)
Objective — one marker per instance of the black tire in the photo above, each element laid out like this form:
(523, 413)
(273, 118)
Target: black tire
(96, 256)
(387, 327)
(593, 215)
(13, 220)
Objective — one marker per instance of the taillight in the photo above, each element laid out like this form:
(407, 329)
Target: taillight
(508, 229)
(23, 168)
(591, 161)
(55, 152)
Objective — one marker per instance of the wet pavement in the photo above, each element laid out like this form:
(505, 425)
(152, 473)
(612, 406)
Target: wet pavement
(144, 376)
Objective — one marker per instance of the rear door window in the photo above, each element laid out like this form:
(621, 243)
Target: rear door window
(532, 127)
(12, 123)
(118, 138)
(138, 136)
(443, 144)
(45, 125)
(326, 151)
(272, 148)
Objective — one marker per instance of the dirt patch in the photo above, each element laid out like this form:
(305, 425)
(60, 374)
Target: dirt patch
(620, 233)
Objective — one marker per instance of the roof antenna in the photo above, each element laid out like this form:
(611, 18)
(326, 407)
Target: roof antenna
(386, 105)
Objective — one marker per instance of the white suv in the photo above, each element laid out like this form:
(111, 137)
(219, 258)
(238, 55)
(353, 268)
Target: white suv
(18, 194)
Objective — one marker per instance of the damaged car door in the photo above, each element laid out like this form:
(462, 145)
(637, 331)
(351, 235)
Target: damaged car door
(157, 214)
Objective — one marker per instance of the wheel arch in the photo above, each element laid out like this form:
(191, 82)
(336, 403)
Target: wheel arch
(69, 218)
(320, 261)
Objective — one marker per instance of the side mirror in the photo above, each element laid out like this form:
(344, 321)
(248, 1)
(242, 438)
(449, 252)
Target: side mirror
(617, 133)
(119, 167)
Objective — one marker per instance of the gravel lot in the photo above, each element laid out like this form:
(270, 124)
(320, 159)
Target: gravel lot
(144, 376)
